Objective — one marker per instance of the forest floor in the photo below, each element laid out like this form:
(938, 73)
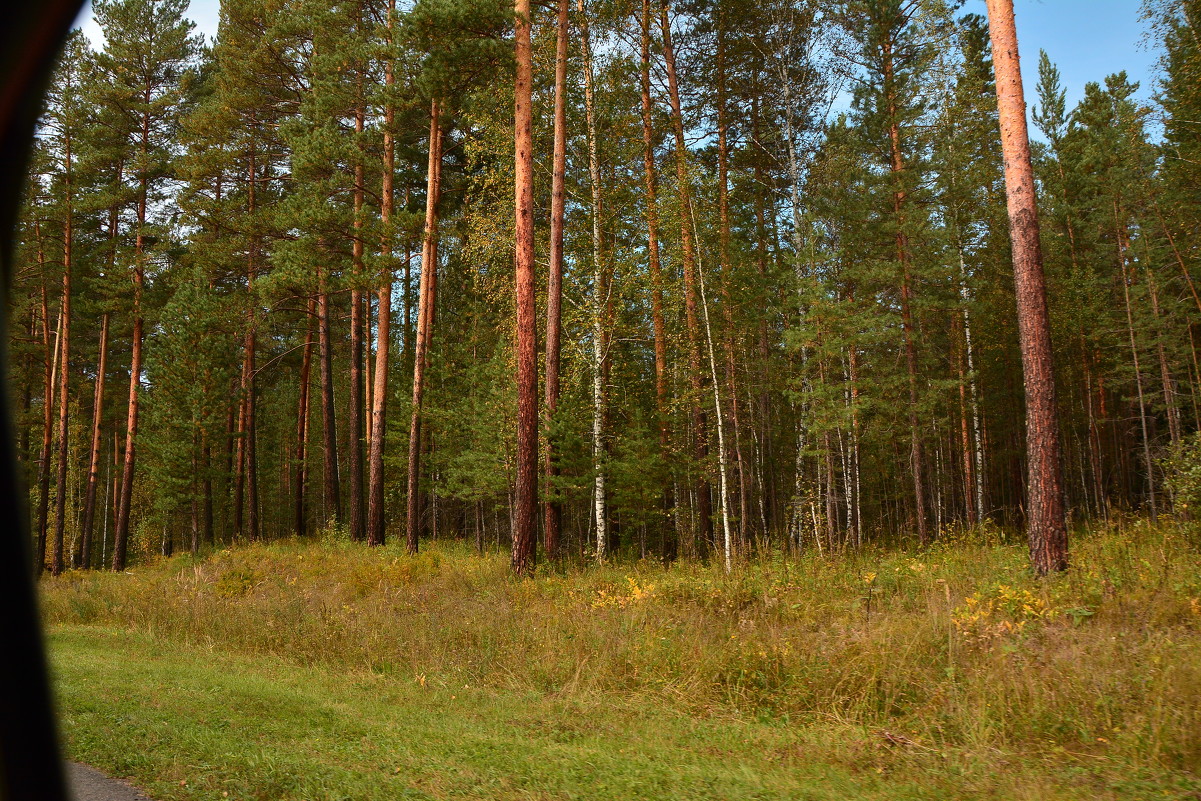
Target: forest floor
(324, 670)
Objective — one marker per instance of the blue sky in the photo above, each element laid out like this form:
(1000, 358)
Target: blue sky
(1087, 39)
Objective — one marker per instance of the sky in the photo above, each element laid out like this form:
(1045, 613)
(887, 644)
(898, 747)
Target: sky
(1087, 39)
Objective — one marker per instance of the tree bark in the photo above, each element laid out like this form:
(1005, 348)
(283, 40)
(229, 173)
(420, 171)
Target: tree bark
(722, 460)
(553, 512)
(329, 430)
(64, 349)
(302, 422)
(899, 198)
(425, 311)
(599, 303)
(354, 411)
(727, 267)
(89, 504)
(1046, 521)
(688, 262)
(376, 521)
(654, 265)
(250, 430)
(526, 491)
(1122, 237)
(125, 499)
(50, 362)
(1165, 373)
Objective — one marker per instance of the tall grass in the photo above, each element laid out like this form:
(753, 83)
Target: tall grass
(955, 646)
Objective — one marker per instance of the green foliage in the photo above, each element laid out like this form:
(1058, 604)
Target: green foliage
(943, 661)
(1182, 470)
(832, 260)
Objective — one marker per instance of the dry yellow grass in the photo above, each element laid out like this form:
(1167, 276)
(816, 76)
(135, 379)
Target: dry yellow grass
(954, 647)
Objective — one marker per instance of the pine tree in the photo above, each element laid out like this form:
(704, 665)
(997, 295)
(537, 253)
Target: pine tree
(149, 50)
(525, 506)
(1047, 524)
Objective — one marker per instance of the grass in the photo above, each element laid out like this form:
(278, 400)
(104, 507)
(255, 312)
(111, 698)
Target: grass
(324, 670)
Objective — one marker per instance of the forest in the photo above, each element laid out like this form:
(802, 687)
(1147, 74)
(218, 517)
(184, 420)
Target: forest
(764, 297)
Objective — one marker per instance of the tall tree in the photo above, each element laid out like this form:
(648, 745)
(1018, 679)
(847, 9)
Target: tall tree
(554, 287)
(700, 424)
(149, 48)
(375, 480)
(66, 118)
(526, 491)
(426, 299)
(1046, 522)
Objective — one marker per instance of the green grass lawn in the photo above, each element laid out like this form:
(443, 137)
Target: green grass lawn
(190, 723)
(323, 670)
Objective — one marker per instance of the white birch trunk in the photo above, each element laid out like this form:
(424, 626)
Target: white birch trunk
(721, 428)
(598, 303)
(973, 390)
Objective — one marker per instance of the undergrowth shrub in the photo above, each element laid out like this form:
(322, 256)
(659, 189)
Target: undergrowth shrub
(955, 644)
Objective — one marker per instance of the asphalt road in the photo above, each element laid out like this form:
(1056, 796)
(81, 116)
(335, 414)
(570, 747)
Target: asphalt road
(89, 784)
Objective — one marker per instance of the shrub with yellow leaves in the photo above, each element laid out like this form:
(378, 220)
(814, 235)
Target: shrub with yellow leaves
(1003, 611)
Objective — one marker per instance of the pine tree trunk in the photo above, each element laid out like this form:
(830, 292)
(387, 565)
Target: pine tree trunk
(525, 507)
(329, 430)
(207, 453)
(376, 521)
(89, 504)
(553, 512)
(64, 349)
(1122, 244)
(354, 413)
(899, 198)
(248, 387)
(425, 306)
(1046, 522)
(302, 423)
(195, 512)
(1165, 373)
(23, 453)
(854, 485)
(662, 403)
(239, 491)
(688, 263)
(125, 497)
(765, 463)
(50, 361)
(800, 484)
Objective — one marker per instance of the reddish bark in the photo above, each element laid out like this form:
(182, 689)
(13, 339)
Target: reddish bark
(50, 361)
(554, 291)
(302, 422)
(375, 455)
(354, 412)
(526, 492)
(426, 299)
(1046, 523)
(329, 430)
(125, 498)
(89, 504)
(700, 422)
(654, 265)
(64, 348)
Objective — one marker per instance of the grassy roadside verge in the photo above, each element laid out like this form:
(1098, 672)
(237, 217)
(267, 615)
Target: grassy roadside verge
(191, 723)
(187, 723)
(323, 670)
